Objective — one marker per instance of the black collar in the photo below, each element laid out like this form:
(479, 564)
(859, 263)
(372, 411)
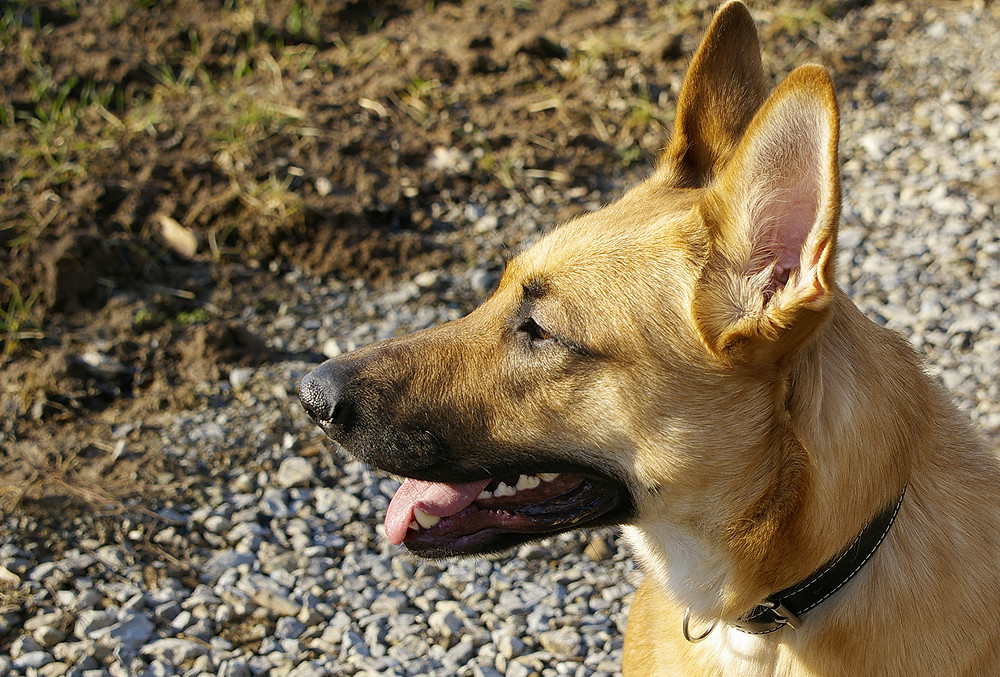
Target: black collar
(787, 606)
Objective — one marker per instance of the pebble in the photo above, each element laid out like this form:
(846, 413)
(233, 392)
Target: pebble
(32, 659)
(294, 471)
(240, 376)
(331, 348)
(283, 569)
(562, 644)
(174, 651)
(48, 636)
(132, 631)
(90, 622)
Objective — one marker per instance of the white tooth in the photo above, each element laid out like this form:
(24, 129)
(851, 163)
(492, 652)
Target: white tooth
(425, 520)
(483, 495)
(504, 490)
(527, 482)
(414, 525)
(548, 476)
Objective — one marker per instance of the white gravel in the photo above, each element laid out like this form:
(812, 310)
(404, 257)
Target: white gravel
(281, 566)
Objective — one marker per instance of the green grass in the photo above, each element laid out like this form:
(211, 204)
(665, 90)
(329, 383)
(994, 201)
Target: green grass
(150, 319)
(18, 323)
(65, 131)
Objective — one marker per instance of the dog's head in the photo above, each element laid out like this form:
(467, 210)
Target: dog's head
(630, 366)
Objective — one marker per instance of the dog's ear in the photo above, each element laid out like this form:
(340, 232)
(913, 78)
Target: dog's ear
(771, 222)
(722, 90)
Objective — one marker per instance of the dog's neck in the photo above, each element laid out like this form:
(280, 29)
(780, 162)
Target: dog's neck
(846, 414)
(787, 607)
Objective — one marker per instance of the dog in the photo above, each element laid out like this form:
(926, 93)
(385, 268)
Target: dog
(803, 499)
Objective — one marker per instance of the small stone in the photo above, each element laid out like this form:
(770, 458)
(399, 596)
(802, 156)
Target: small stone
(877, 143)
(174, 650)
(32, 659)
(426, 278)
(486, 224)
(240, 376)
(181, 239)
(223, 561)
(132, 631)
(509, 645)
(516, 669)
(597, 549)
(8, 620)
(482, 280)
(202, 629)
(234, 667)
(448, 160)
(533, 551)
(274, 503)
(276, 602)
(48, 636)
(91, 621)
(331, 348)
(445, 622)
(313, 668)
(289, 628)
(217, 524)
(166, 612)
(39, 573)
(324, 186)
(23, 645)
(53, 670)
(181, 621)
(102, 366)
(562, 644)
(294, 471)
(74, 652)
(390, 602)
(462, 652)
(50, 619)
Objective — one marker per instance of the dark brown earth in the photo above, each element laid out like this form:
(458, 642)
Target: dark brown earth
(161, 163)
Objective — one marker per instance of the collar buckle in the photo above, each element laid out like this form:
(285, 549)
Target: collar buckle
(768, 616)
(783, 615)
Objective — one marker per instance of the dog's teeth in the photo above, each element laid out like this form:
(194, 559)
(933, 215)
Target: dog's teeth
(483, 495)
(504, 490)
(414, 525)
(527, 482)
(425, 520)
(548, 476)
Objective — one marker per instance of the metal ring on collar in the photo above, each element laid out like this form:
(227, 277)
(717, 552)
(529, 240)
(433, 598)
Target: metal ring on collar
(687, 634)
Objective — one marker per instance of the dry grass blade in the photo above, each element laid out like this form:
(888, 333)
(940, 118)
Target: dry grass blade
(36, 481)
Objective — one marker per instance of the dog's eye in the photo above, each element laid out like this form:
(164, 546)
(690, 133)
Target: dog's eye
(534, 331)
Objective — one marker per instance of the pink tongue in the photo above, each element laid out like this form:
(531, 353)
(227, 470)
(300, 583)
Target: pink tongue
(434, 498)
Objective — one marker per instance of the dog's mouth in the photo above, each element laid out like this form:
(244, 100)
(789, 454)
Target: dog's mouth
(437, 519)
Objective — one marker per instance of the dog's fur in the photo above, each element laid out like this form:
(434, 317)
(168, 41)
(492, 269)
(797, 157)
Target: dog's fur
(690, 342)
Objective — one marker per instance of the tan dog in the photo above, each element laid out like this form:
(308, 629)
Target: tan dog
(683, 363)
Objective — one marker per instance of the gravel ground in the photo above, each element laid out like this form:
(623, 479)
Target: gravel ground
(278, 563)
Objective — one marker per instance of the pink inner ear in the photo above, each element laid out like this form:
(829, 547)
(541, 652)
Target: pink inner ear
(787, 219)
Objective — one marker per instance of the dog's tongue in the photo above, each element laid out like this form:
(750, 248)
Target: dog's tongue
(434, 498)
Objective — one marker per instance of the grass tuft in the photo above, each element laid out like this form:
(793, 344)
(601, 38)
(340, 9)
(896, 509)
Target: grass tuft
(17, 321)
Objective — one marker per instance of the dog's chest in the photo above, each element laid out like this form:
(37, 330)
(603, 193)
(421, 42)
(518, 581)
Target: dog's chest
(739, 654)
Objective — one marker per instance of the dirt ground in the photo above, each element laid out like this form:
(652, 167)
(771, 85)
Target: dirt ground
(161, 163)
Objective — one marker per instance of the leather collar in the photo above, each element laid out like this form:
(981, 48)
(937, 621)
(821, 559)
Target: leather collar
(787, 606)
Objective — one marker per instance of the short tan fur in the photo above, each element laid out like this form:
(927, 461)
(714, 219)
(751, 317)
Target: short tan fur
(689, 341)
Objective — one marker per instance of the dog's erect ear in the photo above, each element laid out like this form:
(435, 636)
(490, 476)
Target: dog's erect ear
(771, 224)
(722, 90)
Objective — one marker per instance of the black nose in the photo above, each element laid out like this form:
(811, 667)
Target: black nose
(321, 393)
